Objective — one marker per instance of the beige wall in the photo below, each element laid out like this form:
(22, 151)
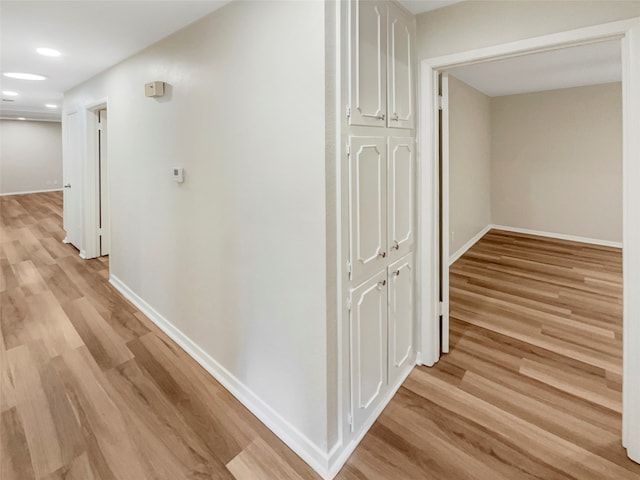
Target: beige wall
(475, 24)
(30, 156)
(557, 161)
(469, 163)
(235, 257)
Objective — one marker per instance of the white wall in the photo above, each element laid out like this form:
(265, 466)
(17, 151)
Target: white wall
(475, 24)
(469, 163)
(30, 156)
(235, 257)
(557, 161)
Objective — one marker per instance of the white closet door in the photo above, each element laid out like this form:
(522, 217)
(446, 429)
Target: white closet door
(401, 193)
(401, 41)
(368, 206)
(368, 69)
(368, 347)
(401, 307)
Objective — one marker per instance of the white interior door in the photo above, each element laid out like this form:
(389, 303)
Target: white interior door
(401, 192)
(400, 89)
(401, 308)
(368, 69)
(72, 173)
(368, 347)
(368, 206)
(103, 184)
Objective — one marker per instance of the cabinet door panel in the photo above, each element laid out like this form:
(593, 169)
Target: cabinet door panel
(400, 97)
(401, 307)
(368, 205)
(368, 70)
(401, 194)
(368, 347)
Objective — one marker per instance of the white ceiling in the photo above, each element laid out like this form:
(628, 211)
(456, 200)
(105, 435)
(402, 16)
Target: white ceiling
(421, 6)
(92, 36)
(569, 67)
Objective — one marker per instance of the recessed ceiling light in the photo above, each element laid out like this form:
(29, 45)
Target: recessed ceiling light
(9, 93)
(48, 52)
(51, 105)
(21, 118)
(24, 76)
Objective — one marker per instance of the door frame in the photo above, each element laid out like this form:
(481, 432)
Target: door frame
(628, 31)
(91, 202)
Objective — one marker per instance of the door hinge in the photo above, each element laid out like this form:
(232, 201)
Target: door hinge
(349, 303)
(99, 126)
(348, 150)
(348, 111)
(440, 308)
(350, 420)
(349, 269)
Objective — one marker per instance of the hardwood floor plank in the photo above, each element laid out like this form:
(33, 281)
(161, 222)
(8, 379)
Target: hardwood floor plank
(99, 414)
(107, 348)
(15, 461)
(259, 461)
(78, 469)
(594, 390)
(35, 414)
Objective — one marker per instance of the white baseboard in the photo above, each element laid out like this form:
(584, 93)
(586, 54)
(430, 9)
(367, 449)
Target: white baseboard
(31, 191)
(296, 440)
(461, 251)
(559, 236)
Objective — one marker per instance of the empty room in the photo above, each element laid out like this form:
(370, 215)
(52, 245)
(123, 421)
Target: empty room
(533, 166)
(354, 239)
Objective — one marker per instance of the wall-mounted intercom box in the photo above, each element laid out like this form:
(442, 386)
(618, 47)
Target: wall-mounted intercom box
(154, 89)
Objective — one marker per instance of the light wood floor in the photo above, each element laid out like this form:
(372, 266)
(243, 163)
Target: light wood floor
(91, 389)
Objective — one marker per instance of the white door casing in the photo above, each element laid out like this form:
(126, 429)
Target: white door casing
(368, 68)
(400, 192)
(103, 158)
(401, 308)
(444, 250)
(368, 335)
(368, 205)
(400, 97)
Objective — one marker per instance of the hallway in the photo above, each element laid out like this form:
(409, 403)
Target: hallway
(91, 389)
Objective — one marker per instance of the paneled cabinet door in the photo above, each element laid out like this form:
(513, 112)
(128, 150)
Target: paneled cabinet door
(401, 168)
(368, 67)
(400, 69)
(367, 206)
(401, 306)
(368, 347)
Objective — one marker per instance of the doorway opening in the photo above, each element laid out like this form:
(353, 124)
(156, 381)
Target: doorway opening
(97, 218)
(628, 34)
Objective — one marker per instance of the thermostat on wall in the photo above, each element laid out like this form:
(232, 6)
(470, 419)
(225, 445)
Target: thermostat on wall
(178, 174)
(154, 89)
